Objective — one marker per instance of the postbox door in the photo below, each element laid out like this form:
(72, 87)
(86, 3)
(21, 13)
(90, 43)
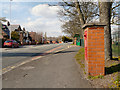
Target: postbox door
(85, 38)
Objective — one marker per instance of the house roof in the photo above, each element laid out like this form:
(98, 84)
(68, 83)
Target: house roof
(13, 27)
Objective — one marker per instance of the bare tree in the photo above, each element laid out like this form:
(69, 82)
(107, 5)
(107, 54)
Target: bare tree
(115, 13)
(76, 14)
(81, 16)
(72, 27)
(87, 11)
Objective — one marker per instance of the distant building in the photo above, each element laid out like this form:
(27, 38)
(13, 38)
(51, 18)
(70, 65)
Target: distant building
(33, 35)
(5, 32)
(36, 37)
(26, 37)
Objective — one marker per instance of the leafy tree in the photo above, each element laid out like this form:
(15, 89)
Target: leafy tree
(15, 35)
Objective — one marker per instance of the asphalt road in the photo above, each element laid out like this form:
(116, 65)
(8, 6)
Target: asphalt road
(53, 70)
(12, 56)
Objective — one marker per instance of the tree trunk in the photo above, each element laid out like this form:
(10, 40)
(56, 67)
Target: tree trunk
(105, 16)
(81, 16)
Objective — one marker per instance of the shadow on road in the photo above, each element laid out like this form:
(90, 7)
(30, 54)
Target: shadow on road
(26, 54)
(65, 52)
(20, 54)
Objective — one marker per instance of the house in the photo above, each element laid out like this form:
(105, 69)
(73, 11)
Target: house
(26, 37)
(18, 29)
(33, 35)
(36, 37)
(5, 32)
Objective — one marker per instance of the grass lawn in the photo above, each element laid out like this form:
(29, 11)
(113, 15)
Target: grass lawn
(116, 50)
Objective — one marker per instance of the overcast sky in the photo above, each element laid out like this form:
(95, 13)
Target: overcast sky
(34, 16)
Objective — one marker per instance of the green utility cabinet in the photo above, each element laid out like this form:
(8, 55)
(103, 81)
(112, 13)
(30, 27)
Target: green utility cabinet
(79, 41)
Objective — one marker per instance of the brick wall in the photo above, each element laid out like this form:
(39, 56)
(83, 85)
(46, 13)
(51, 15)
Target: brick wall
(95, 62)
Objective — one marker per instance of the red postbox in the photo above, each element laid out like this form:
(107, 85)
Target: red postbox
(85, 38)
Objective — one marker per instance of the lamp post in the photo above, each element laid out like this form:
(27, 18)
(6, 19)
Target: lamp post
(10, 18)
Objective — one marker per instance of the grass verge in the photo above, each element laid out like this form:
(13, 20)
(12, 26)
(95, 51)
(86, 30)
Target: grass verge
(80, 57)
(112, 69)
(95, 77)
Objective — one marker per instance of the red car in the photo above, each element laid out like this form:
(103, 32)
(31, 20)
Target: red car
(11, 43)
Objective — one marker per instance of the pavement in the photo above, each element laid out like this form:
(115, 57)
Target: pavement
(52, 70)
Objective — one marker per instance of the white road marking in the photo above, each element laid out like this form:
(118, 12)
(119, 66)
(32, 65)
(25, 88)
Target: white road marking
(13, 67)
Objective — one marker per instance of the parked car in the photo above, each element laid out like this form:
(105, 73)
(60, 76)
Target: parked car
(11, 43)
(56, 42)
